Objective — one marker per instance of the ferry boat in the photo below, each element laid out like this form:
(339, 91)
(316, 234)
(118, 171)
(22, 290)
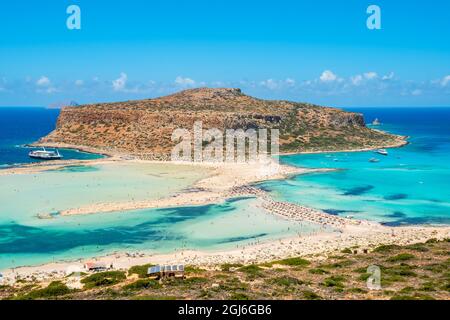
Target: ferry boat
(45, 155)
(382, 152)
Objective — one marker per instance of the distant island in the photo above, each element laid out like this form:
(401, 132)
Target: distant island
(144, 127)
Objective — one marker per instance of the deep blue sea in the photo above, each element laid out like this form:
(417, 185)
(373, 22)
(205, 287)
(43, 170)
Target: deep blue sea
(20, 126)
(409, 186)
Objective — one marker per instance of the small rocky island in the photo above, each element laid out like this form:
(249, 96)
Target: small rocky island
(144, 127)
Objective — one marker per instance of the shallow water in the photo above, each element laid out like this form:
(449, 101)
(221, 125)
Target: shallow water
(409, 186)
(208, 227)
(25, 196)
(28, 240)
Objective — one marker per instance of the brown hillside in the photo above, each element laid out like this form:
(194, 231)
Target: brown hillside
(144, 127)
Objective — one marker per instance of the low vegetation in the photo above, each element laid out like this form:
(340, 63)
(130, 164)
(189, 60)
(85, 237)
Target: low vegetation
(103, 279)
(413, 272)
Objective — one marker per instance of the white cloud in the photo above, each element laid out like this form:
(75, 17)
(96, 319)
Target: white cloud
(43, 81)
(328, 76)
(51, 90)
(370, 75)
(185, 82)
(45, 85)
(270, 84)
(445, 81)
(120, 83)
(416, 92)
(359, 79)
(389, 76)
(290, 82)
(356, 80)
(79, 83)
(277, 84)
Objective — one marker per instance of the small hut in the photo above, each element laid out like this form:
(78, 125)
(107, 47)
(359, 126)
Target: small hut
(166, 271)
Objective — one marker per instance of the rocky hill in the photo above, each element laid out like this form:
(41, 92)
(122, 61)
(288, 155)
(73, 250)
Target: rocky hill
(144, 127)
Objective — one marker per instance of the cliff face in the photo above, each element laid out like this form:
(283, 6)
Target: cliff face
(146, 126)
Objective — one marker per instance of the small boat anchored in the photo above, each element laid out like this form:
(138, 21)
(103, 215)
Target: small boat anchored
(374, 160)
(45, 155)
(382, 152)
(376, 122)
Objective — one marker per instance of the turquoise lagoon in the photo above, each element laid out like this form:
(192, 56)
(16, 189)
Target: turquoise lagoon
(24, 196)
(28, 240)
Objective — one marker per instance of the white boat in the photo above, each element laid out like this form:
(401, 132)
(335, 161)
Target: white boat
(376, 122)
(374, 160)
(382, 152)
(45, 155)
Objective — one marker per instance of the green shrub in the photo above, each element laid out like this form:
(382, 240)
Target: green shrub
(401, 257)
(141, 271)
(402, 269)
(318, 271)
(360, 270)
(428, 286)
(309, 295)
(407, 290)
(285, 281)
(436, 267)
(340, 264)
(227, 266)
(195, 280)
(357, 290)
(252, 270)
(417, 247)
(142, 284)
(364, 276)
(53, 290)
(102, 279)
(233, 284)
(186, 282)
(386, 248)
(239, 296)
(5, 288)
(192, 269)
(293, 262)
(333, 281)
(446, 286)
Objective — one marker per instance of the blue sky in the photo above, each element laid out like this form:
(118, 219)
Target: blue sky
(315, 51)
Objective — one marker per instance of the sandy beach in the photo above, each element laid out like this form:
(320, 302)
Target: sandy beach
(360, 237)
(220, 184)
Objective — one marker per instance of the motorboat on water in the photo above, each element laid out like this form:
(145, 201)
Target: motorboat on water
(374, 160)
(382, 152)
(45, 154)
(376, 122)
